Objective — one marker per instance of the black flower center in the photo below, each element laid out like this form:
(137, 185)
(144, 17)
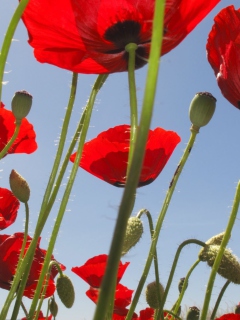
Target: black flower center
(123, 33)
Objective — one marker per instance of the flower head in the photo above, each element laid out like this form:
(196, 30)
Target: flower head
(10, 247)
(229, 316)
(41, 317)
(93, 270)
(223, 52)
(25, 142)
(106, 156)
(9, 206)
(91, 36)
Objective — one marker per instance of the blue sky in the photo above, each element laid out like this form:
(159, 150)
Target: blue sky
(203, 198)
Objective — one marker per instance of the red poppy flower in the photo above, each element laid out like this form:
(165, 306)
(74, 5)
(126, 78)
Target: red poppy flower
(9, 206)
(93, 270)
(223, 53)
(10, 247)
(90, 36)
(106, 156)
(229, 316)
(41, 317)
(25, 142)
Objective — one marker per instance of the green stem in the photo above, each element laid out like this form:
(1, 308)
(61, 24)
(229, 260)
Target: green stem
(131, 49)
(160, 222)
(97, 86)
(219, 256)
(178, 303)
(11, 141)
(219, 299)
(8, 38)
(135, 167)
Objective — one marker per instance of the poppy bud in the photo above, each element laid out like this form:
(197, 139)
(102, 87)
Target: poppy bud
(237, 309)
(53, 307)
(229, 267)
(201, 110)
(133, 234)
(19, 186)
(21, 104)
(151, 294)
(216, 240)
(193, 313)
(179, 309)
(180, 284)
(65, 290)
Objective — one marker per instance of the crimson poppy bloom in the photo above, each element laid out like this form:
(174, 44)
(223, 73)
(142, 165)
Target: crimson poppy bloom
(25, 142)
(90, 36)
(148, 314)
(9, 206)
(41, 317)
(10, 247)
(93, 270)
(229, 316)
(223, 52)
(106, 156)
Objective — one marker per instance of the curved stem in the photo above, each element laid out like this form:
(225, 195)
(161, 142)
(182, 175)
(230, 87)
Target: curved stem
(135, 167)
(8, 38)
(97, 86)
(219, 299)
(160, 222)
(219, 256)
(11, 141)
(131, 49)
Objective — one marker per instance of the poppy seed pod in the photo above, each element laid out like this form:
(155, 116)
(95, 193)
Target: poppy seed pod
(19, 186)
(193, 313)
(21, 104)
(65, 291)
(151, 294)
(229, 267)
(133, 234)
(201, 109)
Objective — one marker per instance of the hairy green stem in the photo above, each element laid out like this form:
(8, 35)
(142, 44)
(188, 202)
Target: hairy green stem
(135, 167)
(219, 256)
(219, 299)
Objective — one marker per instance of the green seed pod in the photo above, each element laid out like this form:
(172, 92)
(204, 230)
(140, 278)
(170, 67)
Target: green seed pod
(180, 284)
(193, 313)
(201, 109)
(151, 294)
(21, 104)
(216, 240)
(133, 234)
(65, 291)
(19, 186)
(229, 267)
(53, 307)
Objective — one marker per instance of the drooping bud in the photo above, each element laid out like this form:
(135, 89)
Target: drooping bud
(229, 267)
(237, 309)
(53, 307)
(152, 296)
(21, 104)
(180, 284)
(133, 234)
(65, 291)
(19, 186)
(216, 240)
(201, 110)
(193, 313)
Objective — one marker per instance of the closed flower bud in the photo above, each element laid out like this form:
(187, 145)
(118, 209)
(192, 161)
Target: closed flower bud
(237, 309)
(65, 291)
(133, 234)
(216, 240)
(201, 110)
(21, 104)
(229, 267)
(19, 186)
(193, 313)
(152, 296)
(53, 307)
(180, 284)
